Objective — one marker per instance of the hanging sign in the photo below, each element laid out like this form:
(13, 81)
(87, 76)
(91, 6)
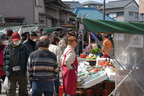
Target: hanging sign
(136, 41)
(119, 36)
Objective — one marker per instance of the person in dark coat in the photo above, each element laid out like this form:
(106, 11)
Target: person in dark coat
(31, 41)
(15, 62)
(31, 44)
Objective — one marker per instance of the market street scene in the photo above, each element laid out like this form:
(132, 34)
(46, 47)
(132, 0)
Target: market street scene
(72, 48)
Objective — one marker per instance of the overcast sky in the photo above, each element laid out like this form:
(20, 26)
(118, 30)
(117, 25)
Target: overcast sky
(94, 0)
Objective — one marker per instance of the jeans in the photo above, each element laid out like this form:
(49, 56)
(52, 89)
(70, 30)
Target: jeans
(38, 87)
(57, 84)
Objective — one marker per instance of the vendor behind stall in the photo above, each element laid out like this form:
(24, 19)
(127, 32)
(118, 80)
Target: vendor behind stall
(107, 43)
(69, 67)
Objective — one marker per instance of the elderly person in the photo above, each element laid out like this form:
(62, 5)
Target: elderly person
(15, 62)
(53, 47)
(62, 43)
(43, 68)
(69, 67)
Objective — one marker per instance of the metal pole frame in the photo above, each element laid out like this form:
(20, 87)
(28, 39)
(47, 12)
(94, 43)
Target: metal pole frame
(113, 92)
(115, 59)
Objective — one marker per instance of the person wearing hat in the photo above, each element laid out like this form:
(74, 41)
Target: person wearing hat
(3, 43)
(40, 32)
(15, 61)
(55, 33)
(31, 44)
(31, 41)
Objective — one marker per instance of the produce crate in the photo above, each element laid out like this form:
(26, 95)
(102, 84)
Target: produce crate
(93, 80)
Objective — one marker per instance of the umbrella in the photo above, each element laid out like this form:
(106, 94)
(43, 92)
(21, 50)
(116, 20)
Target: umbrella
(68, 25)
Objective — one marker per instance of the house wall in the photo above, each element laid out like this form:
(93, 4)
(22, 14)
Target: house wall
(141, 7)
(51, 12)
(120, 18)
(63, 16)
(39, 9)
(132, 7)
(113, 10)
(54, 13)
(18, 8)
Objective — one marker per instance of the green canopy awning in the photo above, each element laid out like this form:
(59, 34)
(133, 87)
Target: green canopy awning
(53, 29)
(104, 26)
(50, 29)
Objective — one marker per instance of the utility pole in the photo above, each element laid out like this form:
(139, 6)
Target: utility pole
(103, 9)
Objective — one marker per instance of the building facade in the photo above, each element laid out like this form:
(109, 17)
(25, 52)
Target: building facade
(47, 12)
(91, 3)
(123, 10)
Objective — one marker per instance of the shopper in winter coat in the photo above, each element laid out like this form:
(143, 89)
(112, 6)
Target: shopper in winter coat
(53, 47)
(43, 68)
(107, 43)
(31, 41)
(62, 43)
(3, 42)
(69, 67)
(15, 62)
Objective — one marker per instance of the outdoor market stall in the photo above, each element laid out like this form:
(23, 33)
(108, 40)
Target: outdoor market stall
(129, 52)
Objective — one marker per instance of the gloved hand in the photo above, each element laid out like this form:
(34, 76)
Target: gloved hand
(73, 67)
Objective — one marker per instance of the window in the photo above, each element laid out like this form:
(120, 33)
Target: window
(1, 19)
(112, 15)
(49, 23)
(130, 13)
(120, 14)
(13, 21)
(136, 15)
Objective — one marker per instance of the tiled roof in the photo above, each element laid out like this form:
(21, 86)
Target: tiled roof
(72, 4)
(91, 2)
(117, 4)
(92, 13)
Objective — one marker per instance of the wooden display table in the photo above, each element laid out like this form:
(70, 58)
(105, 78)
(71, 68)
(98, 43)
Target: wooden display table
(109, 86)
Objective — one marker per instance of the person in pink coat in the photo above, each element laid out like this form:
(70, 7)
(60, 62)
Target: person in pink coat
(70, 67)
(3, 43)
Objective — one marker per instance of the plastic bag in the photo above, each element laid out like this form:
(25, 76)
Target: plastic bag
(5, 85)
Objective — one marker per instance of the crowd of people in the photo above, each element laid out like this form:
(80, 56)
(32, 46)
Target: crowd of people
(38, 57)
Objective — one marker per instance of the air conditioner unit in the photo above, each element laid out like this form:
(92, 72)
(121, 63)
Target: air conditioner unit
(1, 19)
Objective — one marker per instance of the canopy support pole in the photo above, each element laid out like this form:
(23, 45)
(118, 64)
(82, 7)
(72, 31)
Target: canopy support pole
(115, 59)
